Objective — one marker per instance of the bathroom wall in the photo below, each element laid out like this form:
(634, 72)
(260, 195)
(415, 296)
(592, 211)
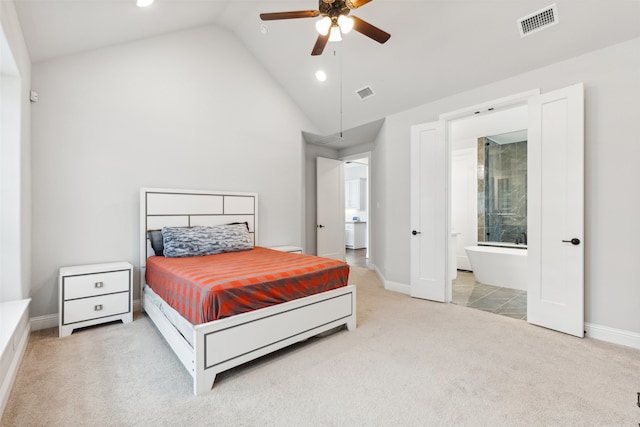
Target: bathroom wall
(502, 191)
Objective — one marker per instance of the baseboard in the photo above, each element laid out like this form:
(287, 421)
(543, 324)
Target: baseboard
(612, 335)
(12, 372)
(393, 286)
(44, 322)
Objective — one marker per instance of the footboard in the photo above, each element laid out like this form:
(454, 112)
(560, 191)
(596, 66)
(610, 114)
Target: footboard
(229, 342)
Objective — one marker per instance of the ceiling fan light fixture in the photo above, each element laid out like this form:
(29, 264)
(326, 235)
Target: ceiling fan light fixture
(345, 23)
(335, 36)
(323, 25)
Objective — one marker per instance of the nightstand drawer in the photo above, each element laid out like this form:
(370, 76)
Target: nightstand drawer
(88, 285)
(92, 308)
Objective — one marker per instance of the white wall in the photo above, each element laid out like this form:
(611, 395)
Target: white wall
(612, 138)
(191, 109)
(15, 162)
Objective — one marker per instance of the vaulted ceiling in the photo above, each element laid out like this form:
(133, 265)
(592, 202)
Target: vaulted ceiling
(437, 47)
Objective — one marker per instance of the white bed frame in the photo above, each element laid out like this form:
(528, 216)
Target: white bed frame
(232, 341)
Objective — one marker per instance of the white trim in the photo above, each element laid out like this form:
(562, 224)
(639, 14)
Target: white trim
(12, 372)
(612, 335)
(403, 288)
(397, 287)
(44, 322)
(497, 104)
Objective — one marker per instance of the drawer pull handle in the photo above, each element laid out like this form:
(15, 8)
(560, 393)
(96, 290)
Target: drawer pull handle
(98, 307)
(99, 284)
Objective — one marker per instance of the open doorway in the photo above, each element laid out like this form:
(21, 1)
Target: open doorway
(489, 211)
(555, 206)
(357, 209)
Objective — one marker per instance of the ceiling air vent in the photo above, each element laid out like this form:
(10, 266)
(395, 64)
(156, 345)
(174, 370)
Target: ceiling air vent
(365, 92)
(538, 21)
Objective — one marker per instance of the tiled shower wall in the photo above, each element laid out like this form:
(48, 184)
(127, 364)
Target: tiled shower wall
(502, 191)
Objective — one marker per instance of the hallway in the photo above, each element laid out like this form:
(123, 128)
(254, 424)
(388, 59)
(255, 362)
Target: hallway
(357, 257)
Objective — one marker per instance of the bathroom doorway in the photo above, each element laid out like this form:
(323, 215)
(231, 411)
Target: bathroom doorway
(468, 292)
(489, 207)
(357, 208)
(555, 250)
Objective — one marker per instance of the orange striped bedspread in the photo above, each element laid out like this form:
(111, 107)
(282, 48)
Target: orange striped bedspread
(206, 288)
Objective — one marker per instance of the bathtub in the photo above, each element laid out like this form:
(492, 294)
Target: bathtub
(499, 266)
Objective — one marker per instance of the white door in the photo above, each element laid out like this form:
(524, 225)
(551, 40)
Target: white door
(330, 208)
(429, 231)
(555, 297)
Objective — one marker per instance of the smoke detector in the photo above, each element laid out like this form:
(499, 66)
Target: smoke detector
(538, 21)
(365, 93)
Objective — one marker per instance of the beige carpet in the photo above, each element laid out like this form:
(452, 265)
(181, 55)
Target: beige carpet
(409, 363)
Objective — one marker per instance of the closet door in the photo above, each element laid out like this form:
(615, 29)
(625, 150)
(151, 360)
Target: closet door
(429, 231)
(555, 297)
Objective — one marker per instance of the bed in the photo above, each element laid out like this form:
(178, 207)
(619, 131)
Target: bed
(209, 343)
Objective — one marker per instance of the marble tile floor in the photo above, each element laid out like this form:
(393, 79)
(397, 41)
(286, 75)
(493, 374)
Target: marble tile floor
(357, 257)
(503, 301)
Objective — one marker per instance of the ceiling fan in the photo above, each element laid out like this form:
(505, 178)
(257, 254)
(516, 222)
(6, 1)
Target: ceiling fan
(335, 21)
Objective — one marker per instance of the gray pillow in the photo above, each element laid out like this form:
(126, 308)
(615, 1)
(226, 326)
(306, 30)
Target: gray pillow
(155, 237)
(198, 241)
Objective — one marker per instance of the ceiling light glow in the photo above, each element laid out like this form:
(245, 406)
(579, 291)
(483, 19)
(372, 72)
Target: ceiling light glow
(323, 25)
(345, 23)
(321, 75)
(144, 3)
(335, 36)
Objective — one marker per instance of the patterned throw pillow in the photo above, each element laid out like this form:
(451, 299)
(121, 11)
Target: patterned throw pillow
(198, 241)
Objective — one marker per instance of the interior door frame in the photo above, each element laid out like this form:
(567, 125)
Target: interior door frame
(370, 210)
(445, 120)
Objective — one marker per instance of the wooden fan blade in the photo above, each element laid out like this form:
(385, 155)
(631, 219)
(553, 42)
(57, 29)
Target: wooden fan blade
(289, 15)
(369, 30)
(320, 44)
(354, 4)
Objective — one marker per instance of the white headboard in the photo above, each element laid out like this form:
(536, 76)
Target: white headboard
(161, 207)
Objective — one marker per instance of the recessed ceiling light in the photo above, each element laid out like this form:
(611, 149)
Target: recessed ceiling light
(264, 29)
(144, 3)
(321, 75)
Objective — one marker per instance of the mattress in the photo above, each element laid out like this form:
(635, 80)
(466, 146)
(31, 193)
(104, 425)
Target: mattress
(206, 288)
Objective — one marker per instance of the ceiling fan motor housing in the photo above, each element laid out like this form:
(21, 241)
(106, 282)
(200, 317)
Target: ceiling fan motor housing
(333, 8)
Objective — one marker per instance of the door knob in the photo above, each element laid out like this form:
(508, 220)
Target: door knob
(414, 232)
(573, 241)
(320, 226)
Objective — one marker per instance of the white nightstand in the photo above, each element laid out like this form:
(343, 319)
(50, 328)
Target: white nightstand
(292, 249)
(93, 294)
